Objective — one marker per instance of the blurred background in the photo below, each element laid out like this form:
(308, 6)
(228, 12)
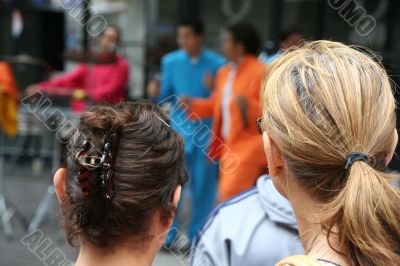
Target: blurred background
(39, 39)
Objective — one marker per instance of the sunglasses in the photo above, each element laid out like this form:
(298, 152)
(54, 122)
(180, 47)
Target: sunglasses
(259, 125)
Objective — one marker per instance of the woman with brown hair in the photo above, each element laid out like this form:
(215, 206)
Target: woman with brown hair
(329, 131)
(122, 184)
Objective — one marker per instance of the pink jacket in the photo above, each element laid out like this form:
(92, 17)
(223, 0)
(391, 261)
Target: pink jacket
(103, 83)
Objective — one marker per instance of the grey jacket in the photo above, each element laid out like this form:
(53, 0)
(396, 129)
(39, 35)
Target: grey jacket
(255, 228)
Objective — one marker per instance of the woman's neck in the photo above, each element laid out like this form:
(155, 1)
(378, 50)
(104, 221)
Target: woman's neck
(313, 239)
(122, 255)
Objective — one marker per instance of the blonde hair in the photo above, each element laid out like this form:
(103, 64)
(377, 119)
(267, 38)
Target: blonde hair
(322, 102)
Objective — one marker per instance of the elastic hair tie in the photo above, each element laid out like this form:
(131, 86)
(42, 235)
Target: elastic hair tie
(355, 157)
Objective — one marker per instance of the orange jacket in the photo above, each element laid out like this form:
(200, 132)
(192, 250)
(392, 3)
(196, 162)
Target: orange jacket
(8, 100)
(244, 142)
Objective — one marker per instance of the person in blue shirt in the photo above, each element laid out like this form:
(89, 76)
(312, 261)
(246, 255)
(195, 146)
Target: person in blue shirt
(189, 72)
(287, 40)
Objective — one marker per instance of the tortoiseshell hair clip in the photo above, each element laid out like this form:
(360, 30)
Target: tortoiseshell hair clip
(85, 165)
(108, 165)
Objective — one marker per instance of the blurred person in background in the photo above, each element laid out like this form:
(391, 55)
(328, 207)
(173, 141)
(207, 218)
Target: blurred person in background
(329, 132)
(287, 40)
(123, 180)
(255, 228)
(8, 100)
(233, 105)
(104, 79)
(189, 71)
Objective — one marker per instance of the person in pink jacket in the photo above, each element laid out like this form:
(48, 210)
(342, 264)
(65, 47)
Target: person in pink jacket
(103, 82)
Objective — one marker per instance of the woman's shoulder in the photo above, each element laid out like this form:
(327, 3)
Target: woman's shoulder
(327, 263)
(303, 260)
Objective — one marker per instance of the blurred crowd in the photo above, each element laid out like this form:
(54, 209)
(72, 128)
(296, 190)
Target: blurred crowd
(290, 144)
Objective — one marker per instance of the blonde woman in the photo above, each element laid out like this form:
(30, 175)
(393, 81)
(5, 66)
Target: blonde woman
(329, 131)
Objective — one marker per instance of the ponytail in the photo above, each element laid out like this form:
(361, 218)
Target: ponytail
(365, 216)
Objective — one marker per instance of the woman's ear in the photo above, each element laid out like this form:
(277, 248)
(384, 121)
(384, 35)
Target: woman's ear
(59, 181)
(274, 155)
(392, 148)
(177, 196)
(275, 164)
(175, 200)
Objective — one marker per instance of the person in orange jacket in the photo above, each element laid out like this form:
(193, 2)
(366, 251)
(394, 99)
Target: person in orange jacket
(8, 100)
(234, 107)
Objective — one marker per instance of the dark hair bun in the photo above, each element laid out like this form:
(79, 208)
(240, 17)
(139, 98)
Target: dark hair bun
(148, 168)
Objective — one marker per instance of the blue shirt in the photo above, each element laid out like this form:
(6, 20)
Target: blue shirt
(182, 75)
(268, 59)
